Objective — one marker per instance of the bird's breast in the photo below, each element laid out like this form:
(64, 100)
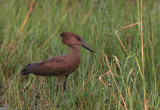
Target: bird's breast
(72, 65)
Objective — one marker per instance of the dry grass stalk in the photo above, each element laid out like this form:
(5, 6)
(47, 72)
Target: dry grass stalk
(119, 37)
(100, 78)
(25, 20)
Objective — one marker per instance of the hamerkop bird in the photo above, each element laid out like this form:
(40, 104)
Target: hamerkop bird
(60, 65)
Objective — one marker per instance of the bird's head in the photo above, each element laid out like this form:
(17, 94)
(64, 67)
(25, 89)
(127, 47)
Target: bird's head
(74, 40)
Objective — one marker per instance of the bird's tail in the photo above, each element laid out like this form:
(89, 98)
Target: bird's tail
(25, 71)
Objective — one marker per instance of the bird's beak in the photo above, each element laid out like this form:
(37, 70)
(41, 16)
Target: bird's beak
(85, 45)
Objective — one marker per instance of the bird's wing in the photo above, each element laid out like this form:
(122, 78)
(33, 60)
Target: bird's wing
(53, 66)
(53, 60)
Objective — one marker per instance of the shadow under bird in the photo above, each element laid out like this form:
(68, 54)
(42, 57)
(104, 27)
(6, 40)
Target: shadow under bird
(60, 65)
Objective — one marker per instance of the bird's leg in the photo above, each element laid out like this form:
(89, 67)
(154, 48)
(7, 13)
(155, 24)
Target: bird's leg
(59, 79)
(64, 85)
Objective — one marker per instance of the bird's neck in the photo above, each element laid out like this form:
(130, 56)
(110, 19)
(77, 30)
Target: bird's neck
(75, 53)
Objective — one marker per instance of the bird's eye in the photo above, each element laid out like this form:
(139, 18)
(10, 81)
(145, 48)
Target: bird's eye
(78, 38)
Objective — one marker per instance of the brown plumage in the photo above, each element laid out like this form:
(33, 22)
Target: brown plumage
(60, 65)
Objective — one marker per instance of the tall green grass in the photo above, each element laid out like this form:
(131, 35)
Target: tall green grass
(96, 21)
